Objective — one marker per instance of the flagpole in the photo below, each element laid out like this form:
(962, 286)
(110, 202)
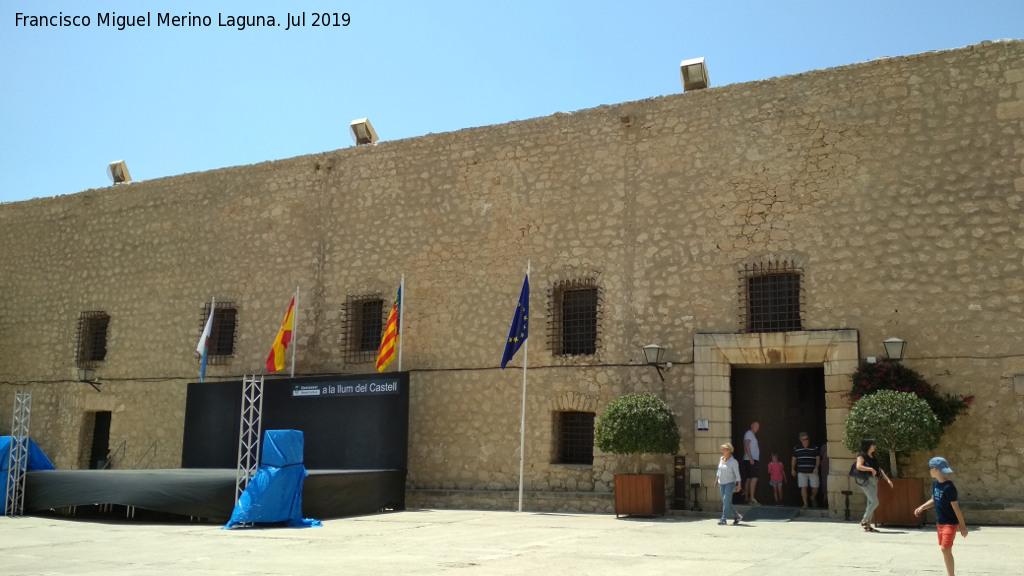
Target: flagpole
(522, 418)
(295, 325)
(401, 320)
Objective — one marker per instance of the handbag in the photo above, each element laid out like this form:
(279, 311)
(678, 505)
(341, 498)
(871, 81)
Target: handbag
(859, 476)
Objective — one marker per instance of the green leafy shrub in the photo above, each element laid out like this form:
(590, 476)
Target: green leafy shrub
(898, 422)
(637, 424)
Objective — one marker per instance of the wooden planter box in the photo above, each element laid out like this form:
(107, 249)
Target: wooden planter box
(896, 505)
(639, 495)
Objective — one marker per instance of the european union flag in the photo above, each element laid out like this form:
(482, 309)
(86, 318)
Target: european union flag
(518, 332)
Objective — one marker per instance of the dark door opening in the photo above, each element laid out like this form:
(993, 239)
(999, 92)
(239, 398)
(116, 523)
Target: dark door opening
(786, 401)
(98, 457)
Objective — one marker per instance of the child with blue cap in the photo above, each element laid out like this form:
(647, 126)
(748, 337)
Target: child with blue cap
(948, 517)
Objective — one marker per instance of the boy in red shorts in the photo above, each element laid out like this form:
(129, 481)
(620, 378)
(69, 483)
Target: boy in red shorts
(947, 509)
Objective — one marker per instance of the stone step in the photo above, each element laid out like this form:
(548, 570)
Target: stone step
(802, 513)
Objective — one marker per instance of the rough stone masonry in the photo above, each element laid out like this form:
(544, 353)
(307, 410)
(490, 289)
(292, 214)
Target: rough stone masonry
(894, 187)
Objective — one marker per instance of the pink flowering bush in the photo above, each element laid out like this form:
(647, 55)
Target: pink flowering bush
(891, 375)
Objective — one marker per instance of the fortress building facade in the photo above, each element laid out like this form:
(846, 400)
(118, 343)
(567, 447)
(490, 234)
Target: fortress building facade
(769, 235)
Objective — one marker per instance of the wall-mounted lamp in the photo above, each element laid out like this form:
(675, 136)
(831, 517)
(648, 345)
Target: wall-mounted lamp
(363, 132)
(694, 74)
(117, 171)
(894, 348)
(88, 375)
(655, 356)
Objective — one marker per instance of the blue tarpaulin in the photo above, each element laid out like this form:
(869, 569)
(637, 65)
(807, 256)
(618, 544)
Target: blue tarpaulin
(36, 459)
(274, 494)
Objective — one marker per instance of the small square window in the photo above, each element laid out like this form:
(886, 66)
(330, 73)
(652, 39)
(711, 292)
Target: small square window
(364, 326)
(575, 318)
(574, 437)
(222, 332)
(371, 323)
(770, 295)
(92, 338)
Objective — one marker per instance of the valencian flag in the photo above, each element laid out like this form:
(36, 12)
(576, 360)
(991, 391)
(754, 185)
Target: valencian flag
(275, 360)
(386, 352)
(518, 332)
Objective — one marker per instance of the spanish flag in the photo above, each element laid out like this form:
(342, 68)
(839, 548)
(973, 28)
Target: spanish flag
(275, 361)
(386, 352)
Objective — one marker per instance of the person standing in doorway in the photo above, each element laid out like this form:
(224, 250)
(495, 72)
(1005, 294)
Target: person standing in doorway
(804, 467)
(823, 472)
(776, 477)
(751, 456)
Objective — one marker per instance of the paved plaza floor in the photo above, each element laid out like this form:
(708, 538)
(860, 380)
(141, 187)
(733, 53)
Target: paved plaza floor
(496, 543)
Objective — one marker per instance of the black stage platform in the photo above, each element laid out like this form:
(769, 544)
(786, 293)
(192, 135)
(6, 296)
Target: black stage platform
(355, 429)
(210, 493)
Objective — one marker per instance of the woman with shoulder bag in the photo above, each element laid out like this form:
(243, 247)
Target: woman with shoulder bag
(867, 465)
(728, 481)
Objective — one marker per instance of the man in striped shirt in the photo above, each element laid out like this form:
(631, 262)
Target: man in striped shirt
(805, 464)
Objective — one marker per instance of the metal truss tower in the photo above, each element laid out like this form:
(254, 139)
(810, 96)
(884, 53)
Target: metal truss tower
(249, 431)
(14, 496)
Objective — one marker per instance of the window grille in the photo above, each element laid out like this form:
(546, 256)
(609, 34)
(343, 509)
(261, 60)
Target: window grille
(770, 297)
(92, 338)
(363, 317)
(575, 318)
(575, 437)
(222, 332)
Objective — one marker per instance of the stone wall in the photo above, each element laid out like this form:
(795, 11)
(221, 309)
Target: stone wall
(895, 184)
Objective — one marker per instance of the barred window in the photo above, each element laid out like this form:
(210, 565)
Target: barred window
(364, 318)
(575, 318)
(92, 338)
(222, 332)
(574, 437)
(770, 296)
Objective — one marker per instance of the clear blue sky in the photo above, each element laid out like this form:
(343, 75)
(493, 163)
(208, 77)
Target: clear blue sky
(176, 100)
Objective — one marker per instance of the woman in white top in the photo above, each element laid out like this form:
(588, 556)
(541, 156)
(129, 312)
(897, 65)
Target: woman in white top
(728, 481)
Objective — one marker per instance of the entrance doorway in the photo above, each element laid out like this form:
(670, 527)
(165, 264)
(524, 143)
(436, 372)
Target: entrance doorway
(786, 401)
(100, 453)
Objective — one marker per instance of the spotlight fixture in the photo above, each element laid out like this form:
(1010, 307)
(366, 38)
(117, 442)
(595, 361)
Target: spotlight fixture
(363, 132)
(117, 171)
(694, 74)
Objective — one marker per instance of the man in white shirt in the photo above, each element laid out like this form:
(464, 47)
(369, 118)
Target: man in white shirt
(751, 456)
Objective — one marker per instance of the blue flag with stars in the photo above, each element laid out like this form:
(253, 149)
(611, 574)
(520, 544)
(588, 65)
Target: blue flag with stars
(518, 332)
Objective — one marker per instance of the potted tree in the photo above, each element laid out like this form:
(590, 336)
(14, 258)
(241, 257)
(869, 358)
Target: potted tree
(900, 422)
(634, 425)
(899, 426)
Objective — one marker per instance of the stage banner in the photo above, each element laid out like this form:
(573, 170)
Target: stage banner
(367, 387)
(355, 422)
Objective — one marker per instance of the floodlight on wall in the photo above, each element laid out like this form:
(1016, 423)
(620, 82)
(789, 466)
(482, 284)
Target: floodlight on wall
(363, 132)
(117, 171)
(694, 74)
(894, 348)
